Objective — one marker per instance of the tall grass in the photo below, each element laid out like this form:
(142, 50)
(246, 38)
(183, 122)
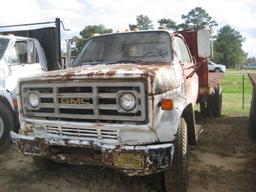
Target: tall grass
(232, 86)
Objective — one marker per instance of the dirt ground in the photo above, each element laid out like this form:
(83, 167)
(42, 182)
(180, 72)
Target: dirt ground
(224, 160)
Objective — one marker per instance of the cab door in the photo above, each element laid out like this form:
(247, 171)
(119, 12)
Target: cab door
(185, 61)
(22, 61)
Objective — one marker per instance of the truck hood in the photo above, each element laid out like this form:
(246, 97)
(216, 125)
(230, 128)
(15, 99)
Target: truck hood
(160, 77)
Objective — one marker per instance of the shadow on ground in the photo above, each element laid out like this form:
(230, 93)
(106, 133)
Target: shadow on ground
(224, 160)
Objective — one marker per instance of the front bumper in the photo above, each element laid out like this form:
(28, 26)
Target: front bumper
(131, 160)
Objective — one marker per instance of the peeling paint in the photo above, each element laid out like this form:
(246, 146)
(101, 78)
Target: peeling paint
(161, 77)
(156, 157)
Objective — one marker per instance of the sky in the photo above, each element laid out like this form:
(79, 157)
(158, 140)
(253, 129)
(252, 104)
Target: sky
(118, 14)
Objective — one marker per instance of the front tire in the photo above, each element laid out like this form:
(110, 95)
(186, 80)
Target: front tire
(175, 179)
(7, 123)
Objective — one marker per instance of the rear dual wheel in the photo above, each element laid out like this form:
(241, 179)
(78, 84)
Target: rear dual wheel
(217, 102)
(211, 105)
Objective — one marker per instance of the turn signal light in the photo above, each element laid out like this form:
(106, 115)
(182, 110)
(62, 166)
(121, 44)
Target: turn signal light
(166, 104)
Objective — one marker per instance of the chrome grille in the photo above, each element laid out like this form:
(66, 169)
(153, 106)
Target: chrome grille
(82, 133)
(83, 101)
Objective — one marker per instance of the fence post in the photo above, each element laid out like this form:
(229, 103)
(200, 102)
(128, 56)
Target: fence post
(243, 92)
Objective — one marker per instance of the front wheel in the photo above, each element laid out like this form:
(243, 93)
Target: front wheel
(175, 179)
(7, 123)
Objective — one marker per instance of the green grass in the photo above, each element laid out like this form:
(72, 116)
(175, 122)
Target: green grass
(245, 71)
(233, 92)
(232, 104)
(234, 84)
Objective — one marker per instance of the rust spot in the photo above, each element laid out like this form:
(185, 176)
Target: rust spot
(160, 76)
(111, 73)
(90, 74)
(99, 73)
(69, 75)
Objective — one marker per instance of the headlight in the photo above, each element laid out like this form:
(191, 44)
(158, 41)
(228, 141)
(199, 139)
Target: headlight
(33, 100)
(127, 101)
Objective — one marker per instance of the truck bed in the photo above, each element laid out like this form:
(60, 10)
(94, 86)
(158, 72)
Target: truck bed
(214, 79)
(253, 79)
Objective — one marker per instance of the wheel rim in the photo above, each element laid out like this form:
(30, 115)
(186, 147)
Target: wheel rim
(1, 127)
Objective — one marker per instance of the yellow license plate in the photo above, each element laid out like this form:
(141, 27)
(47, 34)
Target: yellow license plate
(129, 161)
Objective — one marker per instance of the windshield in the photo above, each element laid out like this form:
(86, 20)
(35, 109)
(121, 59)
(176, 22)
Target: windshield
(126, 48)
(3, 45)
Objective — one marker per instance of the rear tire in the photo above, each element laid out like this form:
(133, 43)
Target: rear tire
(7, 123)
(217, 102)
(212, 106)
(176, 179)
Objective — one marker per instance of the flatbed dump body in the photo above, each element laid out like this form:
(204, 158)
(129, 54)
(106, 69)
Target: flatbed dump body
(253, 79)
(252, 115)
(48, 35)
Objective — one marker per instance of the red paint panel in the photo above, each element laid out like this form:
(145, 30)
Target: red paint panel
(202, 72)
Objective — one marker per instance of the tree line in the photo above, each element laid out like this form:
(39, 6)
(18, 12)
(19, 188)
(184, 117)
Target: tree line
(227, 43)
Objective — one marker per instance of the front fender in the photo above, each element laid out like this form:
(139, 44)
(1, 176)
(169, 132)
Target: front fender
(6, 95)
(166, 122)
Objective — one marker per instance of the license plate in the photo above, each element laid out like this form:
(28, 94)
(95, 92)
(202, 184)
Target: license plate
(129, 161)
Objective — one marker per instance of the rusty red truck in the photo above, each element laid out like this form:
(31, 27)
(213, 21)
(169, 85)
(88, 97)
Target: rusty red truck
(127, 102)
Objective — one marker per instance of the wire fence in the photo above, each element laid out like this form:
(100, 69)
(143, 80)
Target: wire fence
(237, 92)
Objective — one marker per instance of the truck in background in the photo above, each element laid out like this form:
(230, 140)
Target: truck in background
(23, 53)
(252, 114)
(127, 103)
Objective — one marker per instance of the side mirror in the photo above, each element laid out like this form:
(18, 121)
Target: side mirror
(204, 43)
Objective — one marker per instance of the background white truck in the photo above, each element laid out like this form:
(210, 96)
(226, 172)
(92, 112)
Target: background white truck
(22, 56)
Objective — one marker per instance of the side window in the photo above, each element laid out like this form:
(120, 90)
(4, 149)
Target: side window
(13, 57)
(32, 53)
(177, 50)
(23, 52)
(181, 50)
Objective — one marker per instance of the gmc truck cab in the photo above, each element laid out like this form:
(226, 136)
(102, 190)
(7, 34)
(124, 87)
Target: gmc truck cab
(125, 103)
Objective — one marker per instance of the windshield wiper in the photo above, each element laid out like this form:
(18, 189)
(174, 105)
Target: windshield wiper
(128, 60)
